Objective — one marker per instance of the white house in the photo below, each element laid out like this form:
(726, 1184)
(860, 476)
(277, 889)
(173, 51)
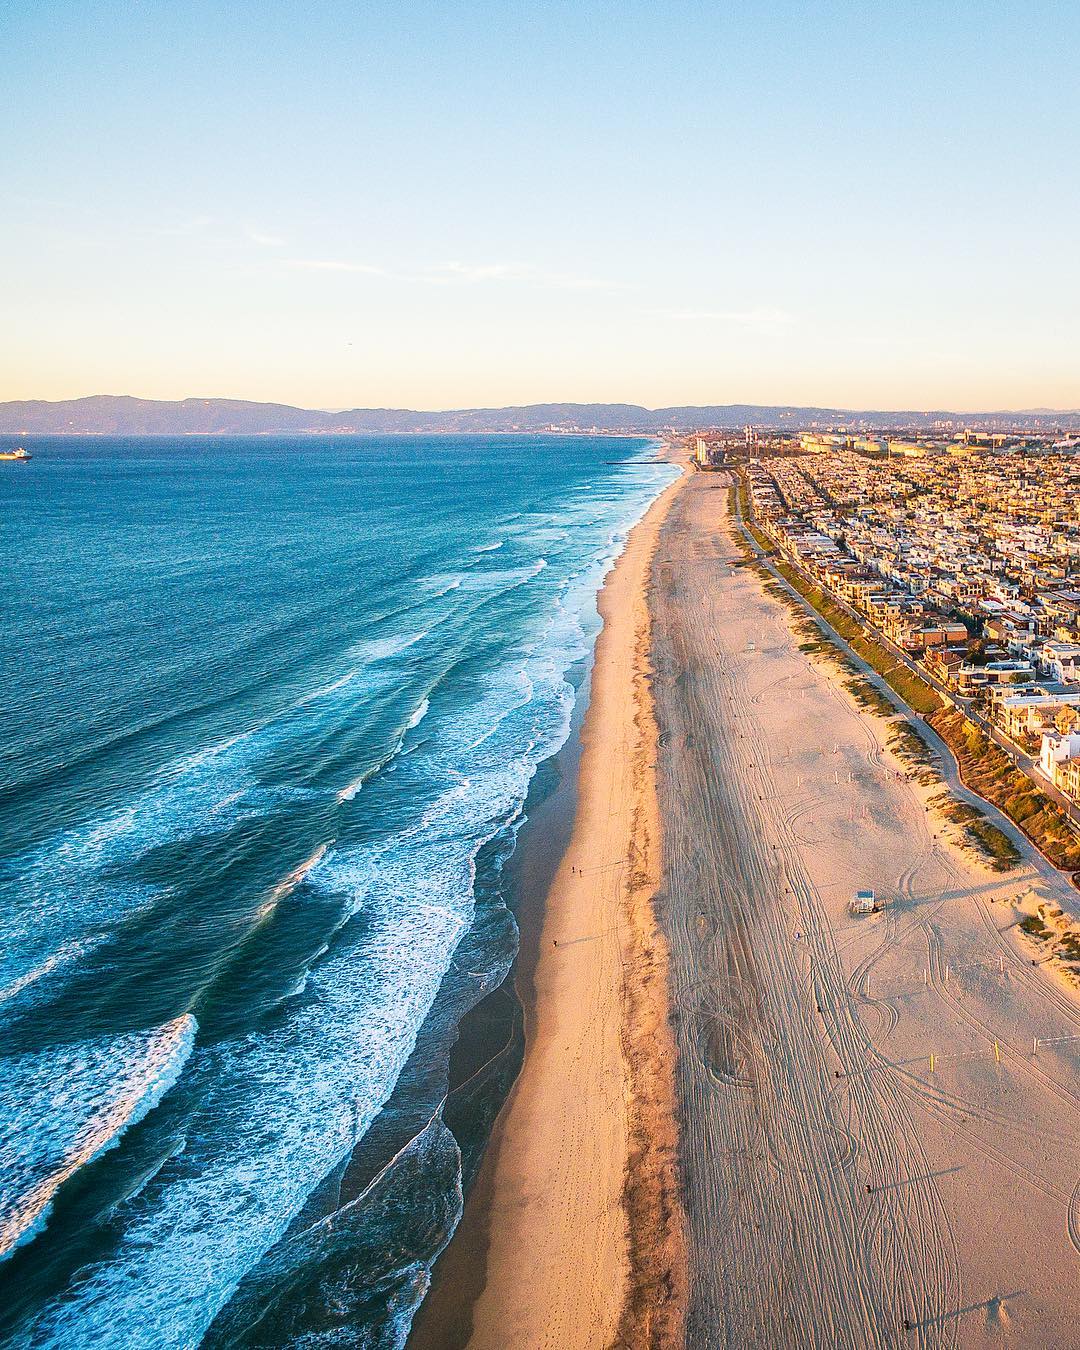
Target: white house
(1061, 660)
(1058, 750)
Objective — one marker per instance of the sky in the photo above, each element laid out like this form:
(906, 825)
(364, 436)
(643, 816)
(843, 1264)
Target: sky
(344, 203)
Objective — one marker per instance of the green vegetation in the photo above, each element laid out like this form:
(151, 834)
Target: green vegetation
(817, 642)
(1060, 937)
(984, 766)
(913, 752)
(952, 808)
(869, 696)
(737, 537)
(762, 540)
(996, 844)
(906, 743)
(989, 771)
(915, 692)
(991, 842)
(738, 499)
(1022, 806)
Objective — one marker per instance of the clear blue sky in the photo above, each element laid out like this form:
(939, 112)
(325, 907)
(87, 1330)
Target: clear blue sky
(456, 203)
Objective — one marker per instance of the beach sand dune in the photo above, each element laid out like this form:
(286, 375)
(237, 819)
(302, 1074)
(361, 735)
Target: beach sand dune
(839, 1191)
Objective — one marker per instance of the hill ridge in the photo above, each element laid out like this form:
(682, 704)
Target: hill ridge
(127, 415)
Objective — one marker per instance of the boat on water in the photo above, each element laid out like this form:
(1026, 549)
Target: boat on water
(18, 453)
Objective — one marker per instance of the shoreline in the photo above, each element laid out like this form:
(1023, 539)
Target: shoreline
(586, 1140)
(444, 1317)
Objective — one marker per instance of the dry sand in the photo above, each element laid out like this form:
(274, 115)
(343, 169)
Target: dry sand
(836, 1186)
(584, 1233)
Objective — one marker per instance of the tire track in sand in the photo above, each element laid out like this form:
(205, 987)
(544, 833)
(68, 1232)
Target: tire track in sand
(787, 1247)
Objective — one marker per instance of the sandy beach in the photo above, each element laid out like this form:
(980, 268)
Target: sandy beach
(873, 1152)
(578, 1189)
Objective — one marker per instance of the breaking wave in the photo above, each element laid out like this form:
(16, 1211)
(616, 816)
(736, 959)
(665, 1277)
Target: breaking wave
(356, 938)
(63, 1107)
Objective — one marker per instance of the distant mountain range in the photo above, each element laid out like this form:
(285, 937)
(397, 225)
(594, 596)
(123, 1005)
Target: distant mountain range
(108, 415)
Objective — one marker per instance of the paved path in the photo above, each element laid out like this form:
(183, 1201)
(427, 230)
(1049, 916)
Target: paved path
(1057, 881)
(830, 1179)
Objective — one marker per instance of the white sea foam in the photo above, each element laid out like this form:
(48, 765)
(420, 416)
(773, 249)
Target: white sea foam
(332, 688)
(384, 649)
(63, 1107)
(298, 986)
(62, 957)
(443, 584)
(289, 883)
(73, 892)
(418, 714)
(284, 1107)
(349, 791)
(312, 1089)
(504, 579)
(489, 548)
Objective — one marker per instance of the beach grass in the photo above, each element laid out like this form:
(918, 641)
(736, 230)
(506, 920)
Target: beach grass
(915, 692)
(983, 835)
(989, 771)
(913, 752)
(984, 766)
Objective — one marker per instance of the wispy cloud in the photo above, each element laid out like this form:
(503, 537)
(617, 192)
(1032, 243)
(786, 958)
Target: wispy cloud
(740, 318)
(525, 273)
(471, 273)
(220, 232)
(264, 239)
(457, 274)
(335, 265)
(192, 225)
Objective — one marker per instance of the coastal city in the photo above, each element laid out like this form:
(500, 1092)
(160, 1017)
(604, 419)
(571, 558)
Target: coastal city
(799, 924)
(961, 554)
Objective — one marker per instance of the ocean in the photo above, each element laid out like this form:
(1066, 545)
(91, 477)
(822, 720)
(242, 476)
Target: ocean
(273, 714)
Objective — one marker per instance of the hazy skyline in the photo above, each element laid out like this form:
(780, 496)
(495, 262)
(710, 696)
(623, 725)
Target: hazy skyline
(432, 206)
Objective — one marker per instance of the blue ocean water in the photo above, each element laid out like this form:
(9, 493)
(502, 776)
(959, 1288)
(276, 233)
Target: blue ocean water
(271, 712)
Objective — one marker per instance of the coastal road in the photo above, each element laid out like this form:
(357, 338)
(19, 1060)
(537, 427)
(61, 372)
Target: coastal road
(1025, 762)
(1055, 881)
(834, 1174)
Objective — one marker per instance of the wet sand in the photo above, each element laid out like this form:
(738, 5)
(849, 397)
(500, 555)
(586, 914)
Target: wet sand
(444, 1319)
(578, 1190)
(839, 1185)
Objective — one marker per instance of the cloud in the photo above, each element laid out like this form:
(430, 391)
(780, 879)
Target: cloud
(525, 273)
(456, 274)
(220, 232)
(740, 318)
(335, 265)
(265, 240)
(192, 225)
